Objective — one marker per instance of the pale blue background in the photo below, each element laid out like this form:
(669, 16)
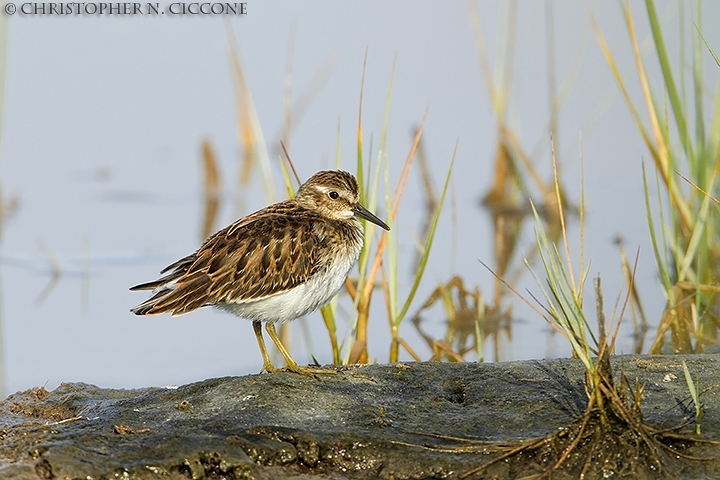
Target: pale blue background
(102, 126)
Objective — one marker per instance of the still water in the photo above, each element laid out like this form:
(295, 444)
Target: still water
(101, 174)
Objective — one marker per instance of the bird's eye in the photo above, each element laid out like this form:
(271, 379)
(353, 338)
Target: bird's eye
(334, 195)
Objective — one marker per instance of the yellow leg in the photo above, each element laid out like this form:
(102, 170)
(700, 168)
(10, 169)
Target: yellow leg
(291, 365)
(267, 364)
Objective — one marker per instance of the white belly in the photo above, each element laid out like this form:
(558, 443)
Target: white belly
(298, 301)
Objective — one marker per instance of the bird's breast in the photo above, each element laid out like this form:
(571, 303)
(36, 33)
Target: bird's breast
(339, 253)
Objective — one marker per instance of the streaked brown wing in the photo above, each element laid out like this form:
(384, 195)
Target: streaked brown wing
(259, 255)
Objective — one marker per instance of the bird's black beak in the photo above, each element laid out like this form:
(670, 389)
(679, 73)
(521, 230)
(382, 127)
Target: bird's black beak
(363, 212)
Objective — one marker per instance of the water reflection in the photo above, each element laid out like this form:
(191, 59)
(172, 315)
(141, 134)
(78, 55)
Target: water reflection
(212, 186)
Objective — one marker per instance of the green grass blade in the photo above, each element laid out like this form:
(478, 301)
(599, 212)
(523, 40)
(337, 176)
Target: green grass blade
(662, 264)
(714, 140)
(712, 52)
(287, 180)
(698, 234)
(328, 314)
(697, 76)
(610, 59)
(371, 198)
(561, 302)
(674, 97)
(428, 243)
(393, 283)
(695, 394)
(359, 170)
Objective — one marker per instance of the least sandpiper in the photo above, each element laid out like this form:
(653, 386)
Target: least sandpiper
(275, 265)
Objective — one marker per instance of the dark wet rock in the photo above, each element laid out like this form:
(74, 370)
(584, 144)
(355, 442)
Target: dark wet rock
(378, 421)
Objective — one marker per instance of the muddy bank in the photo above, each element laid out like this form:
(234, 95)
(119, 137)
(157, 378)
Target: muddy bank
(378, 421)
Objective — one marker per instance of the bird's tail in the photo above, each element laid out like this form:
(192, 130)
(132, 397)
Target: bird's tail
(149, 306)
(168, 296)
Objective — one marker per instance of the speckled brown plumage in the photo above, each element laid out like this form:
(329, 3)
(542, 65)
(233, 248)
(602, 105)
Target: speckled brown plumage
(269, 251)
(274, 265)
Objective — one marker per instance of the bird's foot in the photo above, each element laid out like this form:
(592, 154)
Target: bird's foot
(270, 368)
(295, 368)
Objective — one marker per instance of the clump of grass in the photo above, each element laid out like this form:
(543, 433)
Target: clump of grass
(611, 438)
(515, 178)
(515, 173)
(379, 254)
(391, 284)
(684, 224)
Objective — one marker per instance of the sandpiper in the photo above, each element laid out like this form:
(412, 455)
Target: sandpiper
(274, 265)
